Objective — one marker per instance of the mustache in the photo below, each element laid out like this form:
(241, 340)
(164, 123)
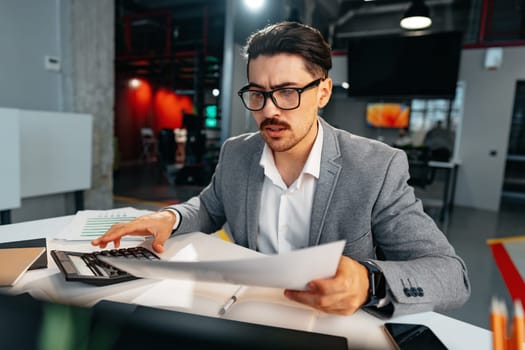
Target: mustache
(273, 121)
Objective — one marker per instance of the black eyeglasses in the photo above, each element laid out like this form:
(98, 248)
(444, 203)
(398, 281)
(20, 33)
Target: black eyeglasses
(285, 98)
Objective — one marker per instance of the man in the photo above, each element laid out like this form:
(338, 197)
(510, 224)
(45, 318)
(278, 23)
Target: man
(440, 142)
(300, 182)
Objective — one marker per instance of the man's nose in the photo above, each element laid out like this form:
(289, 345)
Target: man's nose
(270, 107)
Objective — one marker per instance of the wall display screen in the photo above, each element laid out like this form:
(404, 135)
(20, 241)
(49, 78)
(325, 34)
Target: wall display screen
(404, 65)
(387, 115)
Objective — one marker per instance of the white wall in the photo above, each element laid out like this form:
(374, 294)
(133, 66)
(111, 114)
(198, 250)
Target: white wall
(489, 100)
(81, 34)
(29, 30)
(55, 152)
(9, 159)
(46, 156)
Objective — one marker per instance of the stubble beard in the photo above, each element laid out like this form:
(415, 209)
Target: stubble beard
(283, 144)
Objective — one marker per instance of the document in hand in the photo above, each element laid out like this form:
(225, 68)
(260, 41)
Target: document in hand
(291, 270)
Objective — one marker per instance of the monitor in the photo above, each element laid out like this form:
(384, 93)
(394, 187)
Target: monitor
(424, 66)
(28, 323)
(388, 115)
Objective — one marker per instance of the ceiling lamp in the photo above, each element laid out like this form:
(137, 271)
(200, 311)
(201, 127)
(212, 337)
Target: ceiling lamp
(417, 16)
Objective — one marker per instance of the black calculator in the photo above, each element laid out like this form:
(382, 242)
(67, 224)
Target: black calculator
(87, 268)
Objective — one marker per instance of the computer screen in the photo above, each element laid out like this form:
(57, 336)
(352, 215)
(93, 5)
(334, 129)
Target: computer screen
(28, 323)
(404, 65)
(388, 115)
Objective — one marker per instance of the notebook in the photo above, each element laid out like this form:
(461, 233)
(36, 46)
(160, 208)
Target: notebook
(16, 261)
(40, 263)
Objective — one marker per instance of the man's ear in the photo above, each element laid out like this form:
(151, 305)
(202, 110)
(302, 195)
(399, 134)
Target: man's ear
(325, 91)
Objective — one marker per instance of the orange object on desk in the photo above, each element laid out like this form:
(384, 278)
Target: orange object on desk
(518, 331)
(498, 323)
(502, 339)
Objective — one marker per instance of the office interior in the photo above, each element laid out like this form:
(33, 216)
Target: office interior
(172, 64)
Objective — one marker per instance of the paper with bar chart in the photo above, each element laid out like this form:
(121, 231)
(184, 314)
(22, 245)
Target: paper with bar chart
(87, 225)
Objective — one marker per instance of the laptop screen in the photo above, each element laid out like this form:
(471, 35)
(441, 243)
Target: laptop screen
(32, 324)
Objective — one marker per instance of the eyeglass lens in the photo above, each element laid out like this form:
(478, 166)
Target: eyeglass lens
(282, 98)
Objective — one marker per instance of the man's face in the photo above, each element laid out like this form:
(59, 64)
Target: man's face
(287, 130)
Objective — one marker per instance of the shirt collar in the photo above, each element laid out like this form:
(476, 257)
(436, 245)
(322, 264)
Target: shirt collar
(313, 163)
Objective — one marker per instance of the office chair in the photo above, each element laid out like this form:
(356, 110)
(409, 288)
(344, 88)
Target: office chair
(418, 168)
(149, 145)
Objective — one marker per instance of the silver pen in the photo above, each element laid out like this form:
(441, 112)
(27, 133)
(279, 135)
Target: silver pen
(231, 301)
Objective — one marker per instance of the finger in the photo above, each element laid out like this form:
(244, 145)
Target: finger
(308, 297)
(133, 228)
(333, 304)
(343, 281)
(108, 236)
(116, 243)
(158, 246)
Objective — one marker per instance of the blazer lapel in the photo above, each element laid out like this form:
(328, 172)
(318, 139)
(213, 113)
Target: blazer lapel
(253, 199)
(329, 173)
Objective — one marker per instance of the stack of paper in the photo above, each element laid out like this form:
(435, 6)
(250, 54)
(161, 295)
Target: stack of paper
(302, 266)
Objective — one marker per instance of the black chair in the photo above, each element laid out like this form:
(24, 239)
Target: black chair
(420, 172)
(166, 147)
(196, 139)
(440, 154)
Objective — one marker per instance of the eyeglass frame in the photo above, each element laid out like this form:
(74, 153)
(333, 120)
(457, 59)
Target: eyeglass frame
(270, 93)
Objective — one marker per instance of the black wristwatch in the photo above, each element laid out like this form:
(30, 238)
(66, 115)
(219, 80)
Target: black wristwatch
(376, 283)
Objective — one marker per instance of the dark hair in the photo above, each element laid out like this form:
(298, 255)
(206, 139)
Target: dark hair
(292, 38)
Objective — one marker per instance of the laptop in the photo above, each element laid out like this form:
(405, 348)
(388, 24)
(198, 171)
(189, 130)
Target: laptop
(30, 324)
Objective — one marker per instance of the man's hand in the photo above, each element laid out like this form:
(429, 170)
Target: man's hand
(159, 225)
(342, 294)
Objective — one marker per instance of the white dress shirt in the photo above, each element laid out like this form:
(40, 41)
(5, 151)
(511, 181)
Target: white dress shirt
(284, 216)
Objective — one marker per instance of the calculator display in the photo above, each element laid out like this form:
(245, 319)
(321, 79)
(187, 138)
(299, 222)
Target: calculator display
(80, 265)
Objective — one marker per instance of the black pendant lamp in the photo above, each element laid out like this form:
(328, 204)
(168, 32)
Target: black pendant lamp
(417, 16)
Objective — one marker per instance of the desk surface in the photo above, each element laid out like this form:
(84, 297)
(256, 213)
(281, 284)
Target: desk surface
(260, 305)
(437, 164)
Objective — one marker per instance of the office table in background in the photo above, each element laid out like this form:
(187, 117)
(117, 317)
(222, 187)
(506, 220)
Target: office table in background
(265, 306)
(449, 189)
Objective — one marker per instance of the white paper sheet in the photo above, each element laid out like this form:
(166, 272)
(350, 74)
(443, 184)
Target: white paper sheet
(90, 224)
(291, 270)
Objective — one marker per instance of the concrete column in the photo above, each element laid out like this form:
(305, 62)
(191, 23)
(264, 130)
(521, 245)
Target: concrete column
(92, 53)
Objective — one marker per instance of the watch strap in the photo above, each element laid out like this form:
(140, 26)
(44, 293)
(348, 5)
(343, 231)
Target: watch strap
(376, 284)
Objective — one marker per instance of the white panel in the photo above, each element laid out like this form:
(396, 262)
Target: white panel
(9, 159)
(55, 152)
(489, 100)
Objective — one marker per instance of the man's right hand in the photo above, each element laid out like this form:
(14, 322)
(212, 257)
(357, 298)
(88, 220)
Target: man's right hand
(159, 225)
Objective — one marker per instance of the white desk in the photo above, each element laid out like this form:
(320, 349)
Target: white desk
(262, 305)
(43, 153)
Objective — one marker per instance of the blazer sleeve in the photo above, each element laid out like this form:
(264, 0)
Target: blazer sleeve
(421, 268)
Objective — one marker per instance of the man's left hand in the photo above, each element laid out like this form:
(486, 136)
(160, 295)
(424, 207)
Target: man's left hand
(341, 294)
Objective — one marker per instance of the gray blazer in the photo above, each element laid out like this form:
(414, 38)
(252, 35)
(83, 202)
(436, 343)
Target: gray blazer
(361, 196)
